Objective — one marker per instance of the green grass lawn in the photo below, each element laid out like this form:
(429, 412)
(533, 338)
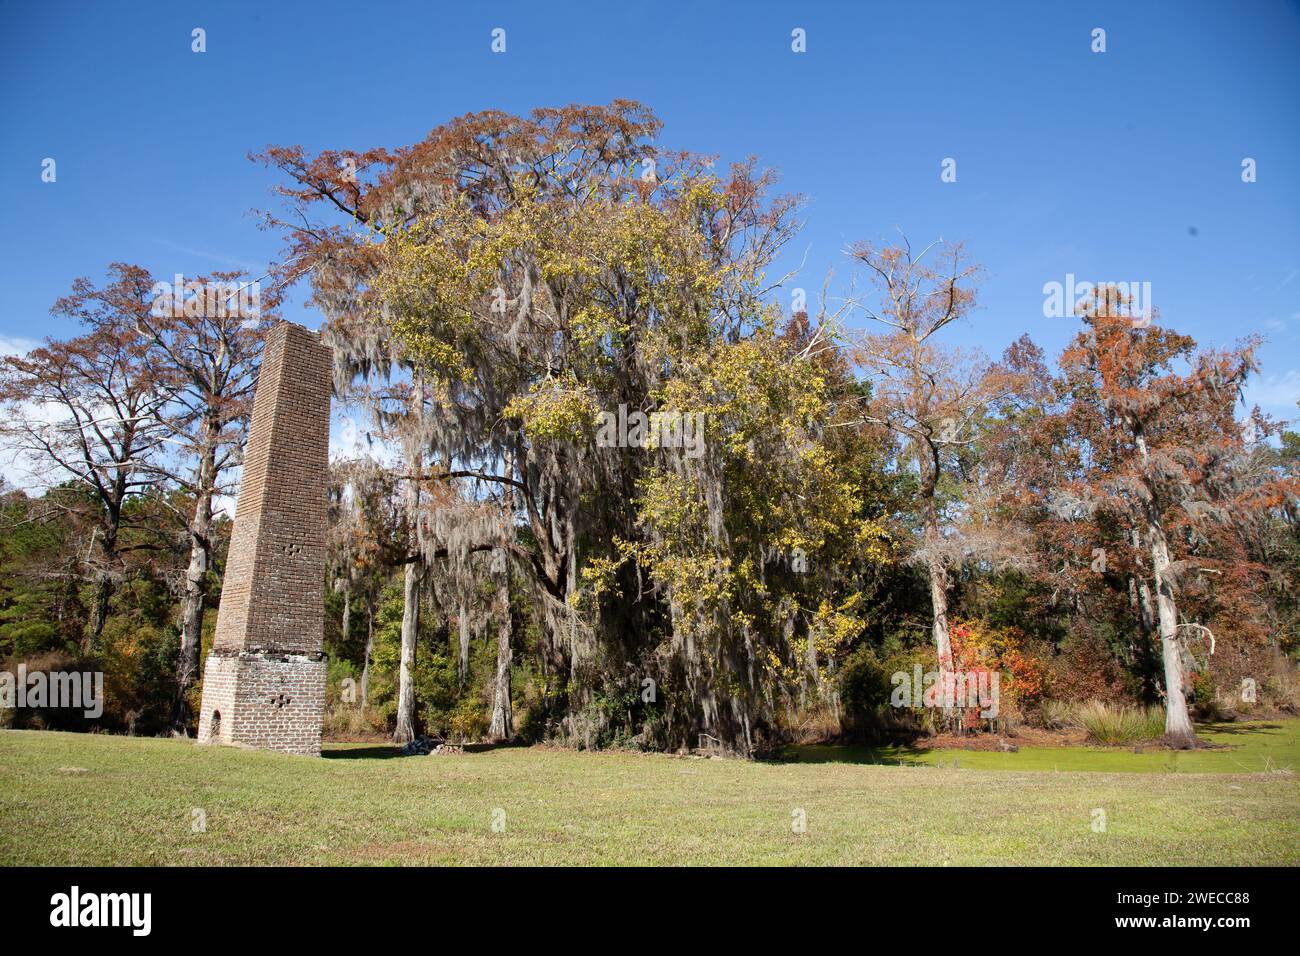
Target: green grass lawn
(1239, 748)
(85, 800)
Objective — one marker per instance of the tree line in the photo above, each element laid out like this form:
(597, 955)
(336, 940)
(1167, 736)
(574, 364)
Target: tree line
(863, 497)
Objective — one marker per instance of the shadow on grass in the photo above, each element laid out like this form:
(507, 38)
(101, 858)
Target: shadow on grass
(1238, 728)
(897, 755)
(344, 751)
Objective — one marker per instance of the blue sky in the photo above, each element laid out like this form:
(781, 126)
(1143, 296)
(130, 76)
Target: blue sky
(1115, 166)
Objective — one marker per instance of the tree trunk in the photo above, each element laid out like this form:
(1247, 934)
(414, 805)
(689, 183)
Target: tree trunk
(1146, 616)
(942, 640)
(98, 613)
(462, 666)
(345, 637)
(405, 730)
(929, 461)
(103, 586)
(370, 649)
(1178, 725)
(939, 607)
(112, 526)
(502, 727)
(196, 588)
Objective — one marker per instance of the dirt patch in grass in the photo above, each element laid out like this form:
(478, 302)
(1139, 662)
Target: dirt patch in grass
(406, 851)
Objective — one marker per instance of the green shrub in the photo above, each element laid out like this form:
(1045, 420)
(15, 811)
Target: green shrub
(864, 688)
(467, 720)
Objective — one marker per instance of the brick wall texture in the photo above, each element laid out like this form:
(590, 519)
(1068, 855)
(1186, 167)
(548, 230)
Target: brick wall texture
(264, 681)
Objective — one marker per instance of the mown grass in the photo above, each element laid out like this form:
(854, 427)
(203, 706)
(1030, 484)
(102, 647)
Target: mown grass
(87, 800)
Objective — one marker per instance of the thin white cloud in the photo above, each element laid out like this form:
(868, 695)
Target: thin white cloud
(1276, 393)
(242, 264)
(16, 345)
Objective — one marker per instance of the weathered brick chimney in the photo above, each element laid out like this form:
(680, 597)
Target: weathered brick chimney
(264, 682)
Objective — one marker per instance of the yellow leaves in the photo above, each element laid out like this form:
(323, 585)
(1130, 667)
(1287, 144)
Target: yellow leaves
(621, 263)
(670, 503)
(829, 628)
(836, 624)
(596, 322)
(782, 489)
(598, 574)
(441, 358)
(556, 409)
(777, 667)
(650, 278)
